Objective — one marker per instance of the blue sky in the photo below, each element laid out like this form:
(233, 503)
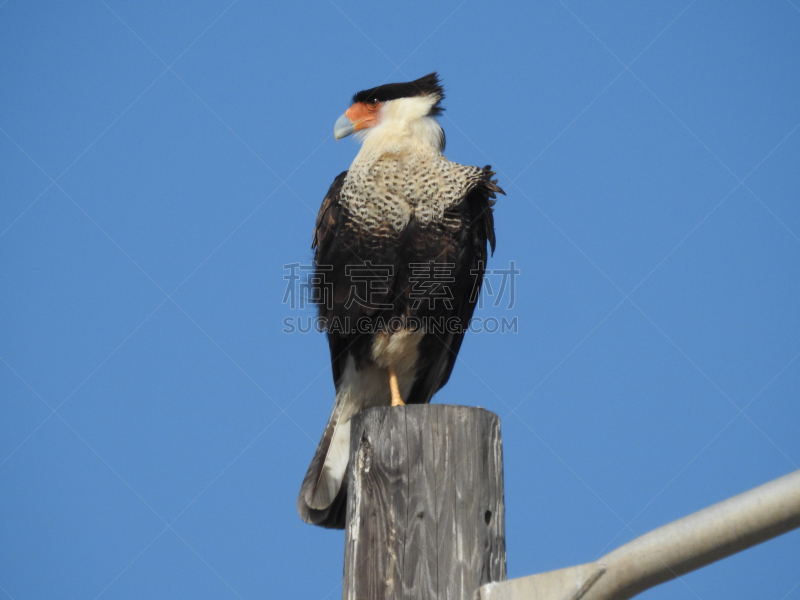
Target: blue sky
(162, 163)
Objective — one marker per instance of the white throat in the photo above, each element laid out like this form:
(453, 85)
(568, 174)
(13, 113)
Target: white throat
(403, 127)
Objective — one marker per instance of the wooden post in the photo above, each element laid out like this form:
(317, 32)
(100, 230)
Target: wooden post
(425, 514)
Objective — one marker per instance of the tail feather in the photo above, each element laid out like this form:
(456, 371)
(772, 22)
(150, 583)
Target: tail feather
(323, 493)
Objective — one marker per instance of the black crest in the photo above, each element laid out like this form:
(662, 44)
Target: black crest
(424, 86)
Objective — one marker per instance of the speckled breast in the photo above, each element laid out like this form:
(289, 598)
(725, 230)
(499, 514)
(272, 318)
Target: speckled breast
(387, 190)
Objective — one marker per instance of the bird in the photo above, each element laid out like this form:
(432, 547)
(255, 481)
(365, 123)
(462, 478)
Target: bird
(400, 249)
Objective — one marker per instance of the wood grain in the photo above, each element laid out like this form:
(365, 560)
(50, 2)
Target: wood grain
(425, 516)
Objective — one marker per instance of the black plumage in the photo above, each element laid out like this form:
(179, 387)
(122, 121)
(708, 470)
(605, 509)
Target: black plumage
(428, 85)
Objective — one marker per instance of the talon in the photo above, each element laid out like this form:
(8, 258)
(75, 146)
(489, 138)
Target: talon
(397, 399)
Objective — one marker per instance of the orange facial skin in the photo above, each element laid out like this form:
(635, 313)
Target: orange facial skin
(363, 114)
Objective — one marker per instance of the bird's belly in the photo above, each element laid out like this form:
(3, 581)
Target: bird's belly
(399, 350)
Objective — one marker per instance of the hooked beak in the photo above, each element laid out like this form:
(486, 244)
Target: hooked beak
(343, 127)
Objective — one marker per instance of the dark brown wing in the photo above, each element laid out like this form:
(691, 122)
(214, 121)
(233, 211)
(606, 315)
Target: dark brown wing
(468, 250)
(328, 215)
(329, 246)
(342, 243)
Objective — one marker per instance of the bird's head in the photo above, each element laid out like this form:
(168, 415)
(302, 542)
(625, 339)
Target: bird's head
(395, 111)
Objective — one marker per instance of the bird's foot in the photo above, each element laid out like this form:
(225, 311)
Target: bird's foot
(397, 400)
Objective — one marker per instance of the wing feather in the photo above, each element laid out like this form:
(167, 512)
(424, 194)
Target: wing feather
(469, 251)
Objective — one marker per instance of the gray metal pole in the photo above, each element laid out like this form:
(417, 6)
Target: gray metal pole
(669, 551)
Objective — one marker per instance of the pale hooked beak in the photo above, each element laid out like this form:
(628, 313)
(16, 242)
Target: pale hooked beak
(343, 127)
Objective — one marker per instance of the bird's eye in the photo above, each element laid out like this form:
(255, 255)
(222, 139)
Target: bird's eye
(373, 102)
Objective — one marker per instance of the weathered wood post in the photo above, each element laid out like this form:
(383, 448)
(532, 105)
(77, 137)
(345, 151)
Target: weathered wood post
(425, 515)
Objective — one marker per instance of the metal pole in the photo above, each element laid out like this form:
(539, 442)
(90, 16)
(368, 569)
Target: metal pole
(669, 551)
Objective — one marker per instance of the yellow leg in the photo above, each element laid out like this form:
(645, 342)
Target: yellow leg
(397, 400)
